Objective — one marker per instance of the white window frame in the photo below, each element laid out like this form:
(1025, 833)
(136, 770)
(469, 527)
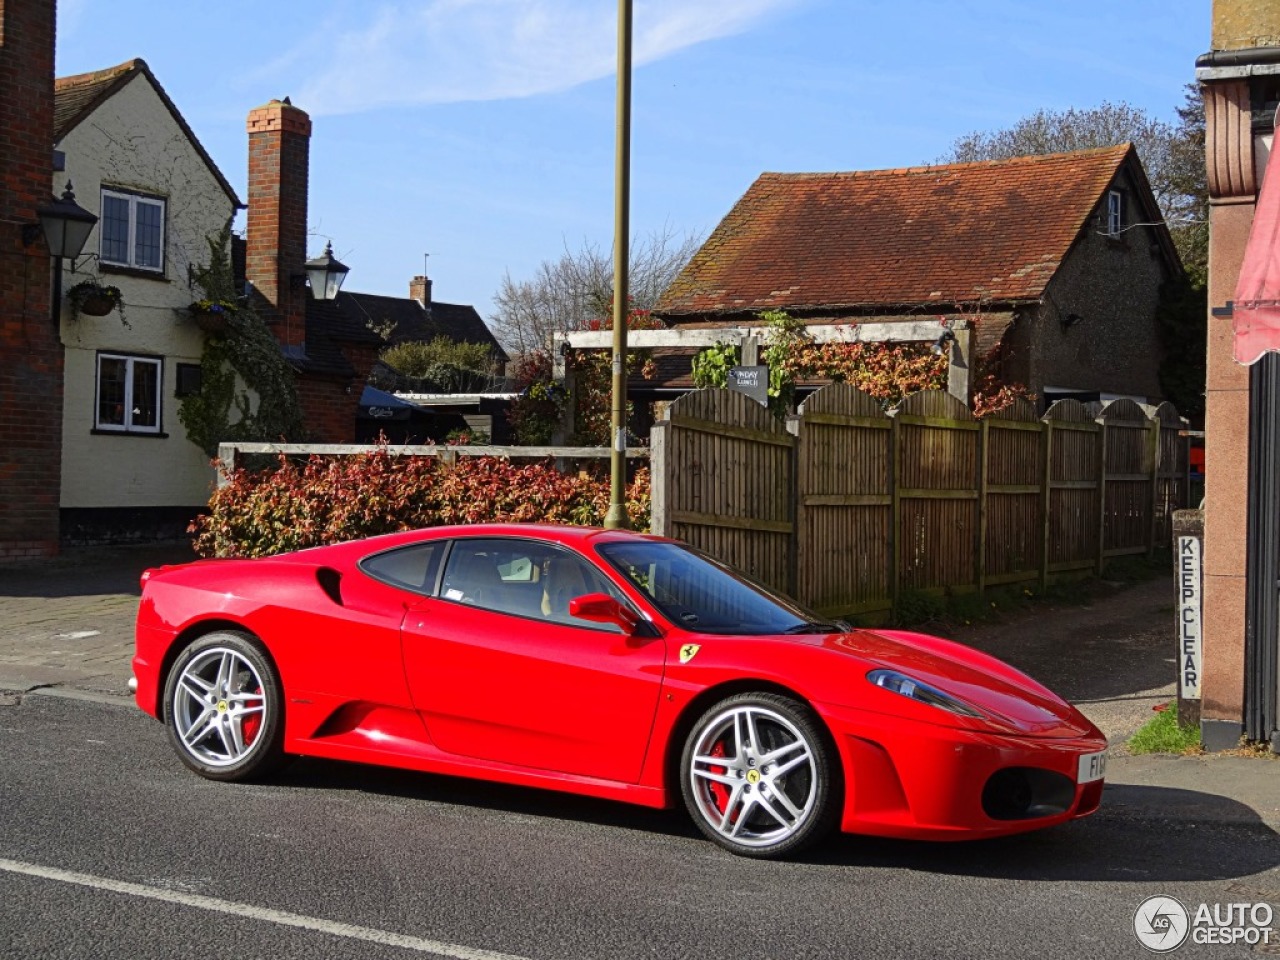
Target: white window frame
(1115, 213)
(128, 426)
(134, 200)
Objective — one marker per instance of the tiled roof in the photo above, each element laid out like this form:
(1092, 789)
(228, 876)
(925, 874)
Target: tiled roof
(988, 232)
(457, 321)
(75, 97)
(353, 317)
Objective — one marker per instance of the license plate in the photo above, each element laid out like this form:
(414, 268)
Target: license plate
(1093, 766)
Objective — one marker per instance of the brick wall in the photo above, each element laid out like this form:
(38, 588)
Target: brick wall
(30, 352)
(329, 408)
(276, 229)
(1113, 285)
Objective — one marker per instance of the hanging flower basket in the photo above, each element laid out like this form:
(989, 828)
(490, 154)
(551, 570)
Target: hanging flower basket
(97, 306)
(212, 316)
(91, 299)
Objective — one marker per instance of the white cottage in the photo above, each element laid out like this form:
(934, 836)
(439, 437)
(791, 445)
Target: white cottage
(128, 469)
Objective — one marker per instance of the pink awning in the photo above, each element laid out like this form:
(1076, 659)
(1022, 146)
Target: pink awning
(1256, 310)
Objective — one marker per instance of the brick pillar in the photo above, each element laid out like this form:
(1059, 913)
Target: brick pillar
(30, 351)
(276, 235)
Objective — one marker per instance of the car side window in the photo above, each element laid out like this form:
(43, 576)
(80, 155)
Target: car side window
(411, 568)
(523, 578)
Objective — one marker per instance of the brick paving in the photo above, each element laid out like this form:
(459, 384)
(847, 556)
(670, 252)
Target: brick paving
(69, 621)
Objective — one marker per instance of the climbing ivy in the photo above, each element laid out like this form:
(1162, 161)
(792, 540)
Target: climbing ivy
(240, 365)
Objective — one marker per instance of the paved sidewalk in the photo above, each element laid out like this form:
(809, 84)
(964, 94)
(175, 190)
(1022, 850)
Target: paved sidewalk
(67, 625)
(69, 621)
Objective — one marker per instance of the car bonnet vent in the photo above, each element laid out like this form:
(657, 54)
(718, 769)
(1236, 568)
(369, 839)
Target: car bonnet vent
(330, 581)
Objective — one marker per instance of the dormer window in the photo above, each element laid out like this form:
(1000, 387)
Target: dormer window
(132, 230)
(1115, 213)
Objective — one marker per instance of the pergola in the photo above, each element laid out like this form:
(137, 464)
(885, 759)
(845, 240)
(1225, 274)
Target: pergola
(749, 336)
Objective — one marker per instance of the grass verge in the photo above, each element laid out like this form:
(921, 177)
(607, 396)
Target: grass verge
(1162, 734)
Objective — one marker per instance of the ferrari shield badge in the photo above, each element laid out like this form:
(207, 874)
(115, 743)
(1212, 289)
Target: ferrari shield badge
(689, 651)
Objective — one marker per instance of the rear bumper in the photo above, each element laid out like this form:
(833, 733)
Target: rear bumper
(913, 780)
(149, 649)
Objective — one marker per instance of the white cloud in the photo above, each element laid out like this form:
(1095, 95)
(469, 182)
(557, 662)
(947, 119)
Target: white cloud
(448, 51)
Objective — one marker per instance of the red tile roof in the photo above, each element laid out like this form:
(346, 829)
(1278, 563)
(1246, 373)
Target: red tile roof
(993, 231)
(75, 97)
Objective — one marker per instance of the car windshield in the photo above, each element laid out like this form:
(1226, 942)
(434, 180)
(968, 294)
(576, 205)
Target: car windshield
(701, 594)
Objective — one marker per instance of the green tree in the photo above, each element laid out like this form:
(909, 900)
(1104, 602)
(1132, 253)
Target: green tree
(450, 365)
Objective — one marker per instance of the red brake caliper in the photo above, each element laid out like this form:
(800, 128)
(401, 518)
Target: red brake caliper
(719, 790)
(251, 725)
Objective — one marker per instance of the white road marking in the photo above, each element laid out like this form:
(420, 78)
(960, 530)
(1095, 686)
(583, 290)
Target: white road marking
(78, 635)
(331, 927)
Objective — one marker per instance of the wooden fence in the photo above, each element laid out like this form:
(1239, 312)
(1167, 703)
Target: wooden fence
(848, 507)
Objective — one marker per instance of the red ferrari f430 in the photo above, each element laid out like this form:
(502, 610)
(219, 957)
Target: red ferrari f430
(605, 663)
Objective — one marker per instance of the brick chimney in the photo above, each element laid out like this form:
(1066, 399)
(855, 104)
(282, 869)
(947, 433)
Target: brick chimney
(420, 290)
(30, 350)
(276, 241)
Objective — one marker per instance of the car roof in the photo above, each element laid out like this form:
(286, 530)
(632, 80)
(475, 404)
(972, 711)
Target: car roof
(564, 534)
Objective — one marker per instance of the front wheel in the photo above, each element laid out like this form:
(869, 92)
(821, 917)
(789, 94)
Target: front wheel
(758, 777)
(223, 708)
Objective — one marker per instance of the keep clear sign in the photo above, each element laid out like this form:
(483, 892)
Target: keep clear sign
(1190, 637)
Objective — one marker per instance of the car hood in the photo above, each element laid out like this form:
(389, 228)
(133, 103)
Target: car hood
(1010, 700)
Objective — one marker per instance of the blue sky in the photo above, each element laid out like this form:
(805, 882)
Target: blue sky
(482, 131)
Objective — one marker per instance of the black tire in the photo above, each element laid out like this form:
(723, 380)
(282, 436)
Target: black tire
(759, 777)
(224, 708)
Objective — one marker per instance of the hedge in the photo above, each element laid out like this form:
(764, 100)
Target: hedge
(327, 500)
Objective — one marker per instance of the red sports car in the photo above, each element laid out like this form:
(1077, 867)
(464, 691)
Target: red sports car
(610, 664)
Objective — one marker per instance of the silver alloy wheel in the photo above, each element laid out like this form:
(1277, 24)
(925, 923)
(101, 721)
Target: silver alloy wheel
(754, 776)
(219, 707)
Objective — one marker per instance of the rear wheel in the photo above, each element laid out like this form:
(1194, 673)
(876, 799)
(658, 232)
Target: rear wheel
(758, 777)
(223, 708)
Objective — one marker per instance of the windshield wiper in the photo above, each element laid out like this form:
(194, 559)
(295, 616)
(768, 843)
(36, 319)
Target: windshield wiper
(813, 626)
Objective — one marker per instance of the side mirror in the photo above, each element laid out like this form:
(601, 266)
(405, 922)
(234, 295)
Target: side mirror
(602, 608)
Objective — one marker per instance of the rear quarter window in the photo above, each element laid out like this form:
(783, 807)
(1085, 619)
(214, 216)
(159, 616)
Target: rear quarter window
(411, 568)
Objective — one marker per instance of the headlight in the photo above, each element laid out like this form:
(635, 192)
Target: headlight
(922, 692)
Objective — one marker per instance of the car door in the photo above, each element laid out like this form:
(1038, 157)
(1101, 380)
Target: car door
(501, 672)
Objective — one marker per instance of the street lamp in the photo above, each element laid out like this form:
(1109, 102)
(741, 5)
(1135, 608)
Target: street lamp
(325, 274)
(65, 225)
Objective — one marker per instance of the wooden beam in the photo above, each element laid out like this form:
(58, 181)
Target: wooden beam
(228, 451)
(732, 523)
(905, 331)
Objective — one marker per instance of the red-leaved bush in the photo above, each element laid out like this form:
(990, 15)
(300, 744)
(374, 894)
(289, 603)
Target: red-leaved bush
(331, 499)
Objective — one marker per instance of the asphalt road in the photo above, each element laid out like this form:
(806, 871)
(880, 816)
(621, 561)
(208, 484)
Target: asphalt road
(110, 848)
